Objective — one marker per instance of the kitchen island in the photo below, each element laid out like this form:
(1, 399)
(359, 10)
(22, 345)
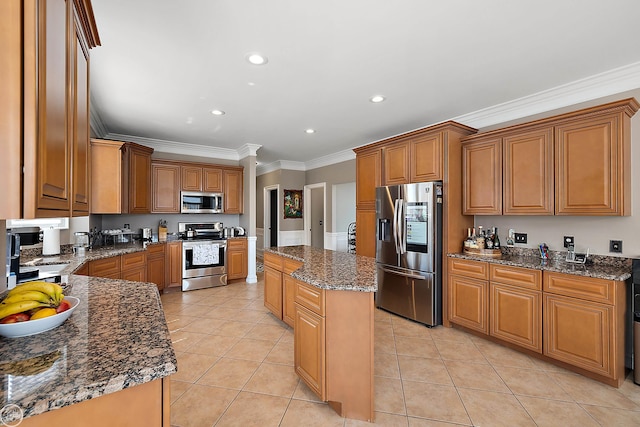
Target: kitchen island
(108, 364)
(330, 297)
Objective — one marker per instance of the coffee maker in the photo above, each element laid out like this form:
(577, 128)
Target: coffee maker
(13, 253)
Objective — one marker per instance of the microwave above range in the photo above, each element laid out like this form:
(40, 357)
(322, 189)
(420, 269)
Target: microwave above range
(199, 202)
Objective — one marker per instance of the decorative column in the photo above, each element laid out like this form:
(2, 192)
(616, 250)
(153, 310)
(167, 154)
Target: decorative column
(247, 154)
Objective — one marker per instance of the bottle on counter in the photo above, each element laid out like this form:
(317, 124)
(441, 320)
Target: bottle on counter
(488, 241)
(480, 238)
(496, 239)
(468, 241)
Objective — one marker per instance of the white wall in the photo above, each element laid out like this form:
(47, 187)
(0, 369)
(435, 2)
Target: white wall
(344, 206)
(589, 231)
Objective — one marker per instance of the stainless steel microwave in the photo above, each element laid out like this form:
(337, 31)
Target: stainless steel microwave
(199, 202)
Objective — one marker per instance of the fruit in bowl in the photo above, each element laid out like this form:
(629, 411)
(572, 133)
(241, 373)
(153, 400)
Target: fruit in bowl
(35, 305)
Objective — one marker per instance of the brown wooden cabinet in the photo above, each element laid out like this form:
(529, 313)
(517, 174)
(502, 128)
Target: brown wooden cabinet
(134, 266)
(165, 187)
(584, 323)
(515, 313)
(174, 264)
(366, 226)
(198, 178)
(45, 101)
(333, 347)
(572, 164)
(593, 165)
(368, 177)
(528, 172)
(120, 177)
(482, 177)
(106, 267)
(469, 302)
(233, 190)
(237, 259)
(156, 265)
(396, 163)
(427, 157)
(278, 286)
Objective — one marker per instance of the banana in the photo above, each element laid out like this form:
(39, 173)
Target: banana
(19, 307)
(28, 296)
(52, 289)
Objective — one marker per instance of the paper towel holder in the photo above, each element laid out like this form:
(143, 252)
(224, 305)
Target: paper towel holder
(51, 241)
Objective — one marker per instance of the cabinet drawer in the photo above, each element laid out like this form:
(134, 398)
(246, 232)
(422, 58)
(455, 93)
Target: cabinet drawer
(291, 265)
(156, 250)
(588, 288)
(237, 243)
(516, 276)
(273, 261)
(310, 297)
(468, 268)
(105, 267)
(134, 260)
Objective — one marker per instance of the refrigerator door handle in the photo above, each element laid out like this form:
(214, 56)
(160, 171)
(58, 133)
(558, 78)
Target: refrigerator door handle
(395, 225)
(403, 273)
(401, 228)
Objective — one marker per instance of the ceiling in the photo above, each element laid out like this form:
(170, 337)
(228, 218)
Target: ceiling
(164, 65)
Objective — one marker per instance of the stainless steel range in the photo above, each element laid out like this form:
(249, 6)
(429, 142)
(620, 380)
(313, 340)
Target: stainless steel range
(204, 255)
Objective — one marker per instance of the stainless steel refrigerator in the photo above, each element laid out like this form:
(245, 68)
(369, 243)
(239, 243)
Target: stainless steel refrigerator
(409, 251)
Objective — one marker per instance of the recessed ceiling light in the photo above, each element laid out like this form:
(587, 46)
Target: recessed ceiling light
(310, 131)
(377, 98)
(256, 58)
(251, 84)
(218, 112)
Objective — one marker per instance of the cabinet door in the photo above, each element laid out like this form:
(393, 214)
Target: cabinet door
(165, 188)
(516, 316)
(579, 333)
(174, 264)
(482, 177)
(426, 158)
(289, 303)
(80, 141)
(590, 167)
(139, 180)
(106, 176)
(191, 178)
(468, 303)
(273, 291)
(528, 173)
(396, 164)
(368, 168)
(106, 267)
(237, 262)
(309, 350)
(212, 180)
(53, 168)
(233, 191)
(366, 237)
(156, 271)
(135, 275)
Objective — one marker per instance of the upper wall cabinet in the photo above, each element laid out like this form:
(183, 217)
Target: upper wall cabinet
(368, 177)
(482, 171)
(416, 158)
(572, 164)
(45, 100)
(233, 189)
(120, 177)
(165, 185)
(197, 178)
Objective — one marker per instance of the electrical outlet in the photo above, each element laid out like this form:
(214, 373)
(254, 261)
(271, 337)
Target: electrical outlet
(569, 241)
(521, 237)
(615, 246)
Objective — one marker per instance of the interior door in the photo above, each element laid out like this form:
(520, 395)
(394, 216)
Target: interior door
(273, 218)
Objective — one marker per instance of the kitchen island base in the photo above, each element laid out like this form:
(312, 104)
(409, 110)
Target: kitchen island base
(142, 405)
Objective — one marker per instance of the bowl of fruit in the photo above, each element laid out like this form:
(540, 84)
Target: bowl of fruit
(34, 307)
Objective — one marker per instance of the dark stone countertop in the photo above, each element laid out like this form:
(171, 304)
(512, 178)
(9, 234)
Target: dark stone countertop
(116, 338)
(327, 269)
(601, 267)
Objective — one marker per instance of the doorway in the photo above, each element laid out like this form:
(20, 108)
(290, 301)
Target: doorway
(314, 217)
(271, 218)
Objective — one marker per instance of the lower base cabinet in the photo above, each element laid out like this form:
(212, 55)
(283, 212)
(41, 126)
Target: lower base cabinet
(156, 265)
(279, 286)
(572, 319)
(333, 347)
(174, 264)
(144, 405)
(237, 259)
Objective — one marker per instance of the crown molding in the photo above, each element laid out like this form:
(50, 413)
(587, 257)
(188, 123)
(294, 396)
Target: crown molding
(248, 150)
(179, 147)
(95, 121)
(280, 164)
(331, 159)
(593, 87)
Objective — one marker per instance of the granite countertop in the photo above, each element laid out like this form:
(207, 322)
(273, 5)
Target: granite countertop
(115, 339)
(601, 267)
(327, 269)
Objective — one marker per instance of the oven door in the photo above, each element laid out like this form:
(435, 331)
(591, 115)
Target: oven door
(204, 258)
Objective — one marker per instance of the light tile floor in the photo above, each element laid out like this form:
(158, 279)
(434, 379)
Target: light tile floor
(235, 368)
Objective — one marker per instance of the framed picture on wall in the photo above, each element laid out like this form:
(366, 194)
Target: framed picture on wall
(292, 204)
